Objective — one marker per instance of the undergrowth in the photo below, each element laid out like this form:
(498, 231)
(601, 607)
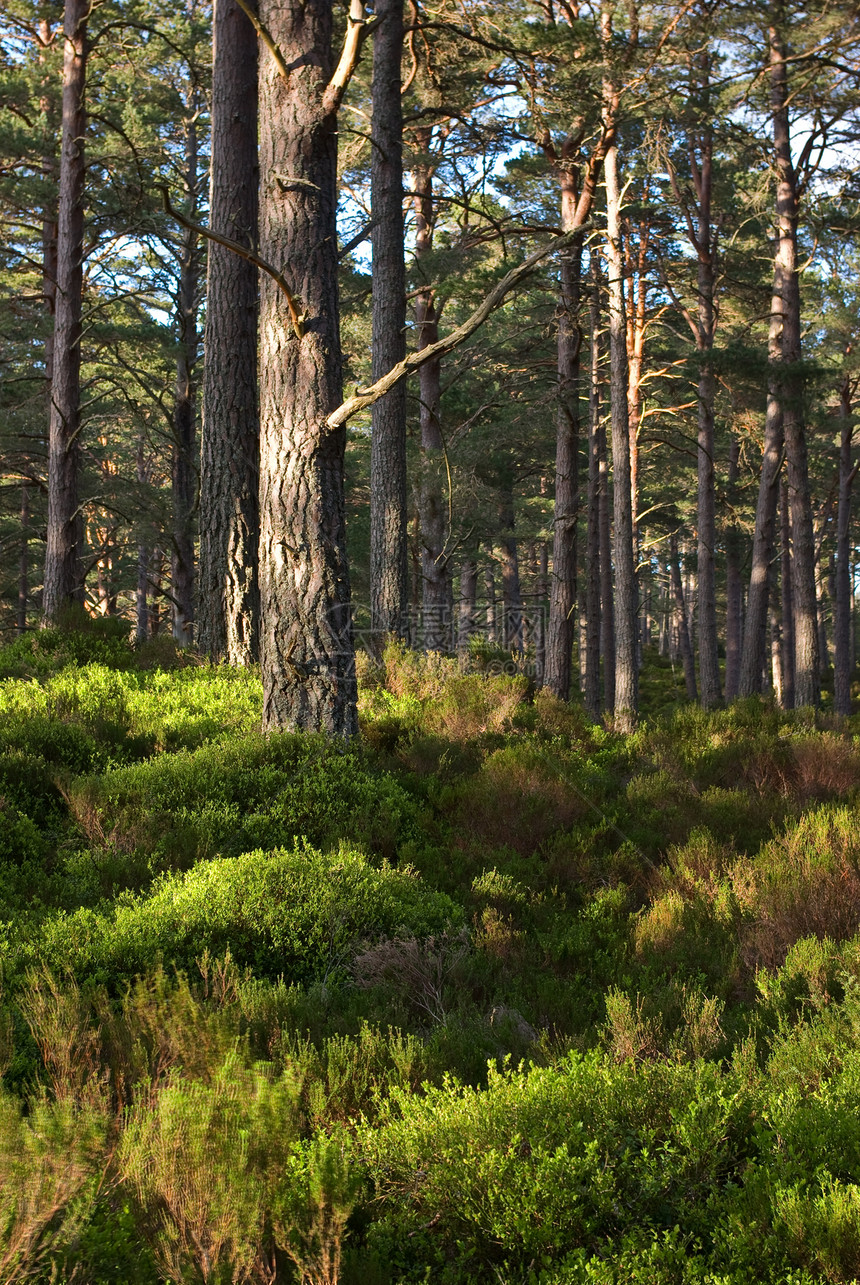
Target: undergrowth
(493, 995)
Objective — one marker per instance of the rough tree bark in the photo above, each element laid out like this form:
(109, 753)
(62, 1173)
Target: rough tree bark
(626, 667)
(592, 558)
(843, 664)
(306, 636)
(786, 588)
(435, 571)
(807, 660)
(228, 597)
(62, 571)
(683, 624)
(468, 596)
(512, 602)
(734, 589)
(183, 475)
(389, 587)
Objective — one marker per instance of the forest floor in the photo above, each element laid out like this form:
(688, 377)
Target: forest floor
(495, 995)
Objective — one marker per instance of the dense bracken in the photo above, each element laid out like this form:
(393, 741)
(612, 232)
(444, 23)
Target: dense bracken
(494, 994)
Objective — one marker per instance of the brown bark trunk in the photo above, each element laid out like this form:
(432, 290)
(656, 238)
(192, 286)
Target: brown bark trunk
(62, 556)
(734, 590)
(183, 462)
(24, 563)
(626, 666)
(684, 643)
(607, 595)
(306, 630)
(786, 580)
(490, 591)
(431, 502)
(512, 603)
(807, 660)
(592, 591)
(562, 612)
(541, 614)
(468, 596)
(228, 598)
(157, 564)
(842, 665)
(389, 606)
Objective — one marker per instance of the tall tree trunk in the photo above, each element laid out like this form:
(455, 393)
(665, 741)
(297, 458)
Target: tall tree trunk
(228, 598)
(807, 661)
(562, 611)
(541, 615)
(734, 590)
(434, 561)
(389, 588)
(786, 581)
(24, 563)
(607, 591)
(183, 462)
(306, 635)
(490, 591)
(685, 645)
(468, 596)
(511, 595)
(626, 667)
(592, 591)
(843, 665)
(62, 571)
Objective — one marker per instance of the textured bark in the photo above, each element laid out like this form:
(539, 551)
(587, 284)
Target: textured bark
(686, 647)
(807, 661)
(786, 580)
(183, 475)
(228, 598)
(626, 667)
(843, 662)
(512, 603)
(24, 563)
(431, 502)
(734, 590)
(562, 612)
(306, 636)
(468, 596)
(490, 592)
(541, 614)
(578, 186)
(592, 552)
(63, 582)
(607, 595)
(157, 565)
(389, 604)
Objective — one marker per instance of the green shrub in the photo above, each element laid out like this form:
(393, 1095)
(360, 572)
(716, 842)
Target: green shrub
(298, 913)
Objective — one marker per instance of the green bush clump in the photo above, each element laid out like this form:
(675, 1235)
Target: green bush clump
(297, 913)
(250, 792)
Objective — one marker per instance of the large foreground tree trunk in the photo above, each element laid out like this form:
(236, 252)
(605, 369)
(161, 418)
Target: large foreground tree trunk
(389, 578)
(63, 583)
(306, 637)
(228, 599)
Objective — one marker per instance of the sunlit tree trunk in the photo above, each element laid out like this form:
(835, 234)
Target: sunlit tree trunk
(592, 592)
(686, 647)
(843, 662)
(62, 571)
(734, 589)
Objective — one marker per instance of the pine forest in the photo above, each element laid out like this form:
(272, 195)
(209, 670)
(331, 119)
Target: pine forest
(429, 608)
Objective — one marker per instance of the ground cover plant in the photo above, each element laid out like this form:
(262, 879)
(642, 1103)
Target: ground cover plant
(494, 994)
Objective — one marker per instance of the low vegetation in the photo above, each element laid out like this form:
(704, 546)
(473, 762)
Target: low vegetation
(493, 995)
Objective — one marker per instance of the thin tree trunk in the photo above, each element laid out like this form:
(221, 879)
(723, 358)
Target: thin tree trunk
(562, 612)
(63, 584)
(512, 603)
(843, 666)
(228, 598)
(183, 461)
(490, 591)
(434, 562)
(468, 596)
(306, 643)
(807, 661)
(157, 564)
(786, 581)
(777, 656)
(626, 667)
(734, 590)
(607, 593)
(541, 614)
(592, 592)
(389, 607)
(24, 563)
(684, 643)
